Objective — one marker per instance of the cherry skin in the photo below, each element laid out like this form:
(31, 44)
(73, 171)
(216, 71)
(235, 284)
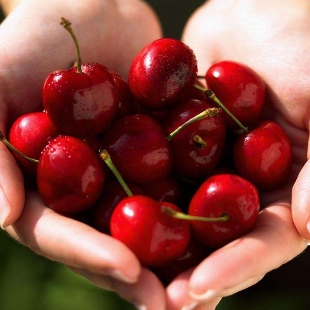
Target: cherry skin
(153, 236)
(81, 104)
(138, 148)
(240, 89)
(161, 72)
(112, 194)
(224, 194)
(198, 147)
(30, 133)
(264, 155)
(70, 175)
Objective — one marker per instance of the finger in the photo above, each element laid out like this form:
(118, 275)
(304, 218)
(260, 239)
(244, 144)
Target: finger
(178, 298)
(147, 293)
(273, 242)
(12, 196)
(301, 201)
(73, 243)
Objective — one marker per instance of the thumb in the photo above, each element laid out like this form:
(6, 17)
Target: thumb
(301, 201)
(12, 195)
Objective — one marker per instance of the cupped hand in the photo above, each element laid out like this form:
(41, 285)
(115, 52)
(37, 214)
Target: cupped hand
(271, 38)
(33, 45)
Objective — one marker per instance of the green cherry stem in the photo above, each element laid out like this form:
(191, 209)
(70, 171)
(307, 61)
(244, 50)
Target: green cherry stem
(105, 156)
(15, 150)
(210, 112)
(210, 94)
(182, 216)
(67, 25)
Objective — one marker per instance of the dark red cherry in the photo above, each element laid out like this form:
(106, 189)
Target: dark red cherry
(240, 89)
(30, 133)
(138, 148)
(224, 194)
(161, 72)
(70, 175)
(81, 101)
(198, 147)
(153, 236)
(112, 194)
(194, 254)
(264, 155)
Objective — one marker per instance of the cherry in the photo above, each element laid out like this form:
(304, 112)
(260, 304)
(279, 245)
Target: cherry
(197, 148)
(70, 175)
(224, 208)
(112, 194)
(126, 103)
(194, 254)
(154, 237)
(83, 100)
(240, 89)
(168, 189)
(264, 155)
(161, 72)
(30, 133)
(138, 147)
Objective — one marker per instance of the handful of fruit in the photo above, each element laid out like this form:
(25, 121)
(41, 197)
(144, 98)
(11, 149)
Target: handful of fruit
(167, 166)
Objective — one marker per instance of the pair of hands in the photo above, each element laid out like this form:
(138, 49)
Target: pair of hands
(270, 37)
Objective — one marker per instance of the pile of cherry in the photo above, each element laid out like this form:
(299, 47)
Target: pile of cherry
(170, 168)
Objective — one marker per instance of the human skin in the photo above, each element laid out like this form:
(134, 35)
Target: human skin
(269, 36)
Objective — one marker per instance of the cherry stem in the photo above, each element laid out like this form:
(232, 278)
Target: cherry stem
(15, 150)
(105, 156)
(202, 143)
(182, 216)
(67, 25)
(210, 112)
(210, 94)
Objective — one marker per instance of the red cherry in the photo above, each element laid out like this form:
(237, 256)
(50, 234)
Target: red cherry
(161, 72)
(194, 254)
(264, 155)
(83, 100)
(81, 104)
(30, 133)
(112, 194)
(240, 89)
(224, 194)
(153, 236)
(138, 148)
(168, 189)
(70, 175)
(198, 147)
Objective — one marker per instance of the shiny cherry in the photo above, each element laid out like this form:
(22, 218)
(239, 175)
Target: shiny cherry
(240, 89)
(224, 194)
(30, 133)
(70, 175)
(138, 148)
(153, 236)
(198, 147)
(161, 72)
(264, 155)
(83, 100)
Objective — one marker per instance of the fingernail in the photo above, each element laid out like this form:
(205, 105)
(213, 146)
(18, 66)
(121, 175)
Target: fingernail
(4, 210)
(191, 306)
(140, 307)
(209, 294)
(120, 276)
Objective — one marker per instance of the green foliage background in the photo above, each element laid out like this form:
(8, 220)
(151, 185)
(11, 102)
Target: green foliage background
(31, 282)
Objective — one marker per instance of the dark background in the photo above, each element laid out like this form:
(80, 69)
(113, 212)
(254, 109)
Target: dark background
(30, 282)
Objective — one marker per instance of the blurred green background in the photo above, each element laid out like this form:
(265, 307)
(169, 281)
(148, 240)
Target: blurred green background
(30, 282)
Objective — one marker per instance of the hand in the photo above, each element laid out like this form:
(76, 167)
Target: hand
(271, 38)
(33, 45)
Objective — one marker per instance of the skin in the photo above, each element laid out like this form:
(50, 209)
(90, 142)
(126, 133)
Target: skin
(269, 36)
